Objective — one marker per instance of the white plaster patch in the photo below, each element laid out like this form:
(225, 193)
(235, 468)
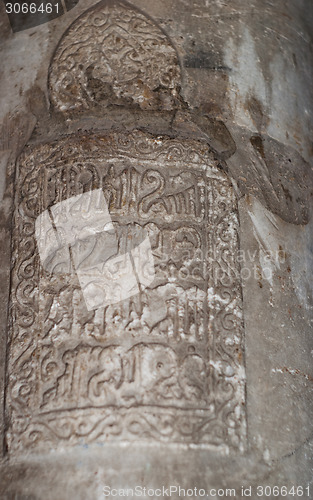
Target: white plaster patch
(284, 94)
(289, 117)
(275, 236)
(246, 78)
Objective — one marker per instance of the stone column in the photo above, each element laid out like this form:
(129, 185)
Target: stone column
(157, 251)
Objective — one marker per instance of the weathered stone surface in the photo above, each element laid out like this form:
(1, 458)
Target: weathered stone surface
(165, 364)
(242, 87)
(114, 54)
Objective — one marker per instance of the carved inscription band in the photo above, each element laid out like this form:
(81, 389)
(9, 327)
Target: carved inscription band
(164, 364)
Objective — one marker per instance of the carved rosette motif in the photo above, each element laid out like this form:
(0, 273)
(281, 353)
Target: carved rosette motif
(165, 364)
(114, 54)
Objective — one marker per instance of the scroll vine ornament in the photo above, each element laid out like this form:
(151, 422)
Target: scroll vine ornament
(114, 54)
(163, 366)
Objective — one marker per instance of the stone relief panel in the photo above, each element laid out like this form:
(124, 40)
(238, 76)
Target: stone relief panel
(114, 54)
(165, 364)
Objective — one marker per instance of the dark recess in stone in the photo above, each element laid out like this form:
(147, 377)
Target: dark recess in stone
(69, 4)
(204, 60)
(257, 144)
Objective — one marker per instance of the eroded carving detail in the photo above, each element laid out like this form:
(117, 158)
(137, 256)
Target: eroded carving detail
(165, 364)
(114, 54)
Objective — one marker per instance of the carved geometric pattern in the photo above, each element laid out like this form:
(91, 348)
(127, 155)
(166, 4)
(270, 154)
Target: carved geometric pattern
(164, 365)
(114, 54)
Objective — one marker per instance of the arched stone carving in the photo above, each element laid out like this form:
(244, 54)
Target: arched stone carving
(114, 54)
(167, 363)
